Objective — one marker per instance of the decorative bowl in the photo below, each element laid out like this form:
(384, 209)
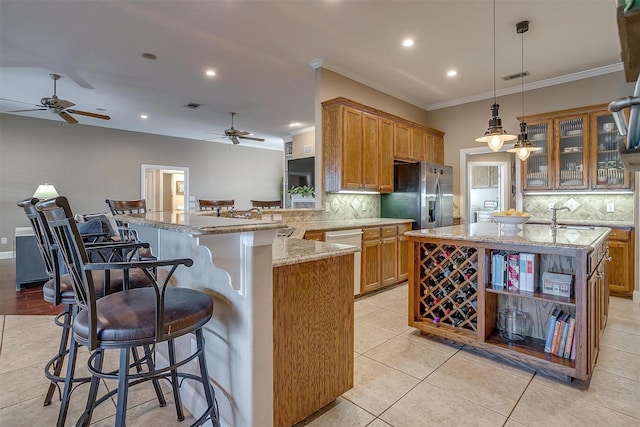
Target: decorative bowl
(511, 221)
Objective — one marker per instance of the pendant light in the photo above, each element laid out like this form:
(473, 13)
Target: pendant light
(523, 148)
(495, 135)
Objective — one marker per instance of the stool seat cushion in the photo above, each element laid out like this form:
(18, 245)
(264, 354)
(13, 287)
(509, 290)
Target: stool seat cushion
(130, 316)
(137, 279)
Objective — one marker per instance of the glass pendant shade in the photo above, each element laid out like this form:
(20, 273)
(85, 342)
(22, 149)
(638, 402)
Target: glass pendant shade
(523, 147)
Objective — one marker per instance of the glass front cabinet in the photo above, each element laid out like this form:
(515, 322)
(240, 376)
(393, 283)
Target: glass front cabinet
(579, 151)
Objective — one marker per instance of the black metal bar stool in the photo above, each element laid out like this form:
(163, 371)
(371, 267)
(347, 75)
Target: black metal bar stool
(131, 318)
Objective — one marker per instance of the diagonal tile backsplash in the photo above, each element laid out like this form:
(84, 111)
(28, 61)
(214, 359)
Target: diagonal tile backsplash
(585, 206)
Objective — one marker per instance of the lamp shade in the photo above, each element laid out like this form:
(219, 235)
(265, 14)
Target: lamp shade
(45, 191)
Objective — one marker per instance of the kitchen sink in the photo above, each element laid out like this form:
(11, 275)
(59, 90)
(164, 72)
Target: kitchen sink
(576, 227)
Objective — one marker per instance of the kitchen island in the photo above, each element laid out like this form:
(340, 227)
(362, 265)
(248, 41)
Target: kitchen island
(272, 348)
(454, 292)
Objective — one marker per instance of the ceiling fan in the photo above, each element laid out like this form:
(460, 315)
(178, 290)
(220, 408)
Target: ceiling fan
(235, 134)
(58, 106)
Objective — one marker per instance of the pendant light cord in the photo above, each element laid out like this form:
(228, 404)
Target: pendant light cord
(522, 71)
(494, 51)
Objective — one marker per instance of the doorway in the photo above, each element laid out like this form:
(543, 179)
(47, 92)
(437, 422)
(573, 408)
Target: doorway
(165, 188)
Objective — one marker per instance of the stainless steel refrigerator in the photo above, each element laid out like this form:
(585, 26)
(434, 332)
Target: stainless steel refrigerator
(423, 192)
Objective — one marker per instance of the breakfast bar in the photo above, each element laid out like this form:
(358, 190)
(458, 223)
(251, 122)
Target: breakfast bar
(280, 344)
(460, 290)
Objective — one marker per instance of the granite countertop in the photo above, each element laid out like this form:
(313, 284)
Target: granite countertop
(195, 224)
(345, 224)
(611, 224)
(530, 234)
(287, 251)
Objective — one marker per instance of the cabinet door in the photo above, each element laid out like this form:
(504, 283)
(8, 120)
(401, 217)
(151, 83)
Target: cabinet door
(417, 145)
(370, 265)
(429, 147)
(537, 170)
(572, 155)
(605, 165)
(352, 149)
(370, 152)
(620, 270)
(386, 155)
(314, 235)
(438, 149)
(403, 255)
(401, 142)
(389, 260)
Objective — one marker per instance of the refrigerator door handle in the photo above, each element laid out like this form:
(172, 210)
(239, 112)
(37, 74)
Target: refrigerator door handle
(438, 208)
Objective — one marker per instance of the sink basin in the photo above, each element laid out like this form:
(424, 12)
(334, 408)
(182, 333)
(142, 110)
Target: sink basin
(576, 227)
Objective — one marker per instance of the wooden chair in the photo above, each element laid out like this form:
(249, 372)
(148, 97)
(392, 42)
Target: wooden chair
(268, 204)
(141, 317)
(127, 206)
(215, 205)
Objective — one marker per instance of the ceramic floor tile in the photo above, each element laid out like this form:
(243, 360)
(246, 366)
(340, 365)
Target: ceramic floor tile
(429, 405)
(614, 392)
(383, 299)
(511, 423)
(386, 320)
(477, 382)
(378, 423)
(545, 406)
(339, 413)
(367, 337)
(370, 378)
(441, 344)
(148, 414)
(486, 358)
(16, 357)
(621, 341)
(623, 308)
(619, 362)
(362, 307)
(1, 330)
(400, 306)
(629, 326)
(417, 359)
(23, 384)
(23, 330)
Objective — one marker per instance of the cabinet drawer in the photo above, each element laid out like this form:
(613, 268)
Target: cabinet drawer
(391, 231)
(371, 233)
(596, 256)
(403, 228)
(623, 235)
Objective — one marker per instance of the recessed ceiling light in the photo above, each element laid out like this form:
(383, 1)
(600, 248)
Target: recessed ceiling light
(294, 124)
(149, 56)
(144, 116)
(452, 73)
(210, 73)
(408, 42)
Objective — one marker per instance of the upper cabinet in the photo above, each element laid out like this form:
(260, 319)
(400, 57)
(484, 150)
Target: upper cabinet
(579, 151)
(360, 144)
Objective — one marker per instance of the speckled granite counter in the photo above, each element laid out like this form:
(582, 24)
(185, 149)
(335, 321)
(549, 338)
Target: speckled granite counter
(610, 224)
(198, 224)
(344, 224)
(287, 251)
(531, 234)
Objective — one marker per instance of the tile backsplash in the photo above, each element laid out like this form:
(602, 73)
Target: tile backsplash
(343, 206)
(585, 206)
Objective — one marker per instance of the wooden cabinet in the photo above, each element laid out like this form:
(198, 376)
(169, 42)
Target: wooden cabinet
(401, 141)
(438, 149)
(385, 169)
(314, 235)
(389, 255)
(371, 252)
(370, 159)
(619, 276)
(403, 252)
(417, 144)
(579, 151)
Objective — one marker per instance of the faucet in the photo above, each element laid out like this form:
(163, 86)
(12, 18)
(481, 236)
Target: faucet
(554, 219)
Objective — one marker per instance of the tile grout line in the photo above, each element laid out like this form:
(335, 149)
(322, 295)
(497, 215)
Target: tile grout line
(520, 398)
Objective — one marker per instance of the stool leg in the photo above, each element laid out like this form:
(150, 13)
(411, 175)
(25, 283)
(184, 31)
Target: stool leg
(208, 390)
(174, 380)
(62, 349)
(85, 419)
(155, 381)
(123, 387)
(68, 380)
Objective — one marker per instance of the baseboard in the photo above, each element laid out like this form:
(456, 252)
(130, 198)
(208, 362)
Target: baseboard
(636, 297)
(7, 255)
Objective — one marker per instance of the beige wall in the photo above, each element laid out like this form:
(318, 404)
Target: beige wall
(304, 140)
(89, 164)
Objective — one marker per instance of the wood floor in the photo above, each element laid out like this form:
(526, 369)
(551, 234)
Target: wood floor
(26, 300)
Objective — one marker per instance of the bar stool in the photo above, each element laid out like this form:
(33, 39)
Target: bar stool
(269, 204)
(59, 290)
(131, 318)
(216, 205)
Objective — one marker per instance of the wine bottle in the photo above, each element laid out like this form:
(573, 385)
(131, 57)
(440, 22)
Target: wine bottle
(447, 306)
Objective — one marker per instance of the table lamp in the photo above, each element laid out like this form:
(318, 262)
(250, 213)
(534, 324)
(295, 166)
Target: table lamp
(45, 191)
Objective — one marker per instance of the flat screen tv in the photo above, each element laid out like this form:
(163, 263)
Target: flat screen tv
(301, 172)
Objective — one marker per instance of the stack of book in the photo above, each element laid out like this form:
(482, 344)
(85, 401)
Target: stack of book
(514, 271)
(560, 335)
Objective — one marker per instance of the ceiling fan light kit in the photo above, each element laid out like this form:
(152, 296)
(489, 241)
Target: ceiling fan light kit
(235, 135)
(495, 135)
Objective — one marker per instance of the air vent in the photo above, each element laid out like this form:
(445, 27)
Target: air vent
(192, 105)
(516, 76)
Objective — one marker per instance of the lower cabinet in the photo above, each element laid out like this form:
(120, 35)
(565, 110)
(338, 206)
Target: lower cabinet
(385, 256)
(619, 274)
(389, 255)
(371, 256)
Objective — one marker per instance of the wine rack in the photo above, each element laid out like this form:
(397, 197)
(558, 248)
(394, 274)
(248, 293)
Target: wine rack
(449, 286)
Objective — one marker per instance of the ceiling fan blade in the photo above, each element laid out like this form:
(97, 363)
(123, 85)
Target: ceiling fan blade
(32, 109)
(88, 114)
(67, 117)
(234, 140)
(251, 138)
(20, 102)
(242, 132)
(61, 103)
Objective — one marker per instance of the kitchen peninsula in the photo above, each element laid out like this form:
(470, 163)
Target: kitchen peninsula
(453, 291)
(280, 344)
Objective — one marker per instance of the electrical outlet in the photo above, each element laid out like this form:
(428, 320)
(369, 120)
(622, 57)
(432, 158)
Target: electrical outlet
(364, 206)
(551, 205)
(327, 207)
(3, 241)
(611, 207)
